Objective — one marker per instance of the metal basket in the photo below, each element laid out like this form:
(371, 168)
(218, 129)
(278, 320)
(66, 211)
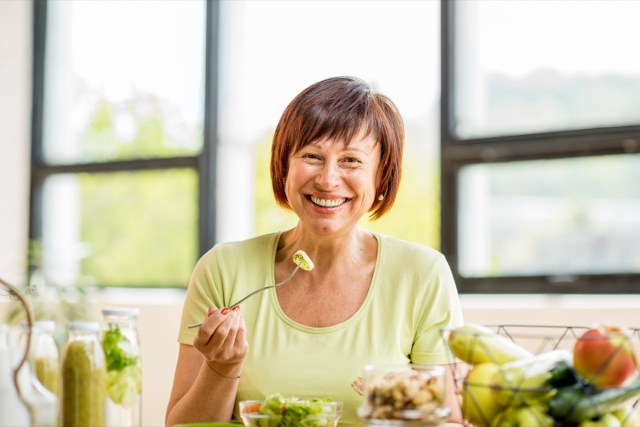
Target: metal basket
(537, 339)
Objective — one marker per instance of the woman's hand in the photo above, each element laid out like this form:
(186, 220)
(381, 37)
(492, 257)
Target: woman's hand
(221, 340)
(207, 393)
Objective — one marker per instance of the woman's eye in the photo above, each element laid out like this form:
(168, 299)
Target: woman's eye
(352, 160)
(310, 156)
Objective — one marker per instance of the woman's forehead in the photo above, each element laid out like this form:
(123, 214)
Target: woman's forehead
(362, 140)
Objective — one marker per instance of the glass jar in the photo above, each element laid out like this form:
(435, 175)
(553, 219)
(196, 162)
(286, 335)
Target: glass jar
(82, 394)
(43, 355)
(404, 395)
(124, 367)
(39, 377)
(13, 411)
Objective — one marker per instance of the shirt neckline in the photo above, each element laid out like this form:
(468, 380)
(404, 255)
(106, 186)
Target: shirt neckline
(324, 329)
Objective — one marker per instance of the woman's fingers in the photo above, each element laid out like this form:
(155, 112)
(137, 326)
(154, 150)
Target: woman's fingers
(228, 348)
(209, 327)
(241, 341)
(222, 336)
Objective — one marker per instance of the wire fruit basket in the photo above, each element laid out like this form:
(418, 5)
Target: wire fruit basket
(546, 376)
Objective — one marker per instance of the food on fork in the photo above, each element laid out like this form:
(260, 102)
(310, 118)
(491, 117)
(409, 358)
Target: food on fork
(303, 261)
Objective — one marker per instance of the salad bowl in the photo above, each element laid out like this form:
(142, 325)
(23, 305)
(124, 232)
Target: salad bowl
(278, 411)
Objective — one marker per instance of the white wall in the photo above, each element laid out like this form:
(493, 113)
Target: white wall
(160, 311)
(15, 109)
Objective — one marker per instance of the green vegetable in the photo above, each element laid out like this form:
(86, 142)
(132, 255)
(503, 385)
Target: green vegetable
(114, 344)
(580, 402)
(124, 376)
(293, 412)
(123, 387)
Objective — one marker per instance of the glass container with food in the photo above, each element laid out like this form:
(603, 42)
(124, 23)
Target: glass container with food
(43, 356)
(83, 382)
(404, 395)
(121, 346)
(277, 410)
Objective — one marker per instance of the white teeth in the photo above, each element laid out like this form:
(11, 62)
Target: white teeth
(328, 203)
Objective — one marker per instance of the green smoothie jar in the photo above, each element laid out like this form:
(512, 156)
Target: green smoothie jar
(84, 377)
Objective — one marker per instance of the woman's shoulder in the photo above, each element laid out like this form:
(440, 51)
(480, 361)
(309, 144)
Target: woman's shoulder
(399, 249)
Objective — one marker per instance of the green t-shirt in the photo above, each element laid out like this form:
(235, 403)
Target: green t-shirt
(411, 297)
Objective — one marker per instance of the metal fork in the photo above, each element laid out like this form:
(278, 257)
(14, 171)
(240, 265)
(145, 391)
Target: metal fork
(264, 288)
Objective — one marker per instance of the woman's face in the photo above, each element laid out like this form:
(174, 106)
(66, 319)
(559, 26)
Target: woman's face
(331, 185)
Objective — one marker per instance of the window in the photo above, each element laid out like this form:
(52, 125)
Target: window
(126, 173)
(271, 50)
(539, 141)
(120, 176)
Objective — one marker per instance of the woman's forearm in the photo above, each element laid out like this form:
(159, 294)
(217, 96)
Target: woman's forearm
(210, 398)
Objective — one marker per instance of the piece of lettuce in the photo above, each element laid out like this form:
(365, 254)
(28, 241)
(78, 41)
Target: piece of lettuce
(124, 377)
(115, 347)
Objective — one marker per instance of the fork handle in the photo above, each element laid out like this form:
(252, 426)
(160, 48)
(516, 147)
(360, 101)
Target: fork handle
(264, 288)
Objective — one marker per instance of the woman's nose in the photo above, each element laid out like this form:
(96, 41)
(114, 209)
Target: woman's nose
(328, 176)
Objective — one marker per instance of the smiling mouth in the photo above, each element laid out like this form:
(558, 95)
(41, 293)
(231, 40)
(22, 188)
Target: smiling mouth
(327, 203)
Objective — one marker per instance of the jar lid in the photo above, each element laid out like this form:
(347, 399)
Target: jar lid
(40, 325)
(45, 325)
(125, 312)
(84, 326)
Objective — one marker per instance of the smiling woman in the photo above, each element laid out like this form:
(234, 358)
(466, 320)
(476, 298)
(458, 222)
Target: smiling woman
(370, 298)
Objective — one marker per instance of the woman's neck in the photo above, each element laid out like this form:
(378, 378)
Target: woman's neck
(333, 251)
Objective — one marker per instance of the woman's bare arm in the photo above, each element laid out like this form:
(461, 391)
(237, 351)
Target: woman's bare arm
(207, 374)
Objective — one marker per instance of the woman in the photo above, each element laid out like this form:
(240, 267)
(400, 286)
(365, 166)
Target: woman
(336, 156)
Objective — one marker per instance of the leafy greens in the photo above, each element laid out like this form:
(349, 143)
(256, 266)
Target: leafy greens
(294, 412)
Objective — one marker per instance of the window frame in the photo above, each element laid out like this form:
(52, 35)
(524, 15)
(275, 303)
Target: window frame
(204, 163)
(456, 153)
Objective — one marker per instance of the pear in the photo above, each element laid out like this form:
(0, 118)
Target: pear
(479, 397)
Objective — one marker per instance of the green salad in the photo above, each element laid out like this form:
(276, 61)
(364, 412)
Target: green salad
(294, 412)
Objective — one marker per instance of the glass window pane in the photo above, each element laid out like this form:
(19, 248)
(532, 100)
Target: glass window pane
(327, 38)
(124, 80)
(550, 217)
(121, 229)
(533, 66)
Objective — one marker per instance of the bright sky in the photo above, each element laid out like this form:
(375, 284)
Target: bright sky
(288, 45)
(575, 36)
(146, 46)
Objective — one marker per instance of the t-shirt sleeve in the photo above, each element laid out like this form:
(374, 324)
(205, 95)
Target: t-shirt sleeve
(203, 292)
(440, 310)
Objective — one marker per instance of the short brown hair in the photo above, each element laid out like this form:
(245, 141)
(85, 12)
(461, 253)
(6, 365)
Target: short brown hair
(339, 108)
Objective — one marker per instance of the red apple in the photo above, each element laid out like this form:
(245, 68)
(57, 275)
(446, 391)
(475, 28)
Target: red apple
(604, 356)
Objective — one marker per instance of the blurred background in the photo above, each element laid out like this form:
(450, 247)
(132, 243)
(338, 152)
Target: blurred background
(135, 135)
